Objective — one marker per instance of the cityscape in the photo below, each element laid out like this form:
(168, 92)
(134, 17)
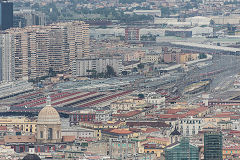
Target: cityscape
(120, 79)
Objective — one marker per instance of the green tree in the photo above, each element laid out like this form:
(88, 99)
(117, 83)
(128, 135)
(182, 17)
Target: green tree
(140, 66)
(124, 73)
(51, 72)
(110, 71)
(141, 96)
(93, 73)
(202, 56)
(165, 11)
(134, 69)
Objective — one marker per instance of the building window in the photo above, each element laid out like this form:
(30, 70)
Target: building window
(41, 134)
(58, 135)
(50, 133)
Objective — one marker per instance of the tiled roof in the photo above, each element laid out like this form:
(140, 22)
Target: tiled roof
(2, 142)
(235, 117)
(150, 130)
(68, 138)
(234, 132)
(121, 131)
(148, 123)
(3, 128)
(173, 111)
(225, 114)
(232, 147)
(165, 139)
(20, 139)
(171, 116)
(128, 114)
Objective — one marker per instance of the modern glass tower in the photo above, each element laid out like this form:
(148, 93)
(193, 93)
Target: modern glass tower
(213, 146)
(6, 14)
(181, 151)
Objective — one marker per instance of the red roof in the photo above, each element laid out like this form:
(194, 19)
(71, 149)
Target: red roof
(225, 114)
(128, 114)
(234, 132)
(235, 117)
(202, 108)
(167, 116)
(159, 138)
(150, 130)
(121, 131)
(196, 111)
(3, 128)
(173, 111)
(232, 147)
(68, 138)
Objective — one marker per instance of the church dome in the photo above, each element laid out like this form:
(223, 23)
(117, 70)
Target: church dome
(31, 157)
(48, 115)
(175, 132)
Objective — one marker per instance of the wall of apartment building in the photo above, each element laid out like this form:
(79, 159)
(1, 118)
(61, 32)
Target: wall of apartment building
(6, 58)
(36, 49)
(179, 58)
(78, 39)
(97, 64)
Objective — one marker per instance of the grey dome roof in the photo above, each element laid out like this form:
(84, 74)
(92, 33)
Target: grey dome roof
(31, 157)
(175, 132)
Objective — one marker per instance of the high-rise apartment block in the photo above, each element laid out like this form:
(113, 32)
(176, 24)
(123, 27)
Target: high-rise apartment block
(26, 17)
(132, 34)
(78, 38)
(84, 66)
(6, 14)
(37, 49)
(6, 58)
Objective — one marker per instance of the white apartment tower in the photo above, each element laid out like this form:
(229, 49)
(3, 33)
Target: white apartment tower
(39, 62)
(78, 39)
(34, 50)
(6, 58)
(20, 53)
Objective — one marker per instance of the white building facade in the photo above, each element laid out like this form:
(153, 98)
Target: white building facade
(83, 66)
(189, 126)
(155, 99)
(7, 58)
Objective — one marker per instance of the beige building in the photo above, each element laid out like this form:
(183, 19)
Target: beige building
(223, 20)
(23, 123)
(48, 125)
(58, 49)
(78, 39)
(20, 51)
(151, 58)
(128, 104)
(39, 53)
(179, 58)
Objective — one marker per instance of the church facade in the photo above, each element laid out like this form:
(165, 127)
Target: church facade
(48, 125)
